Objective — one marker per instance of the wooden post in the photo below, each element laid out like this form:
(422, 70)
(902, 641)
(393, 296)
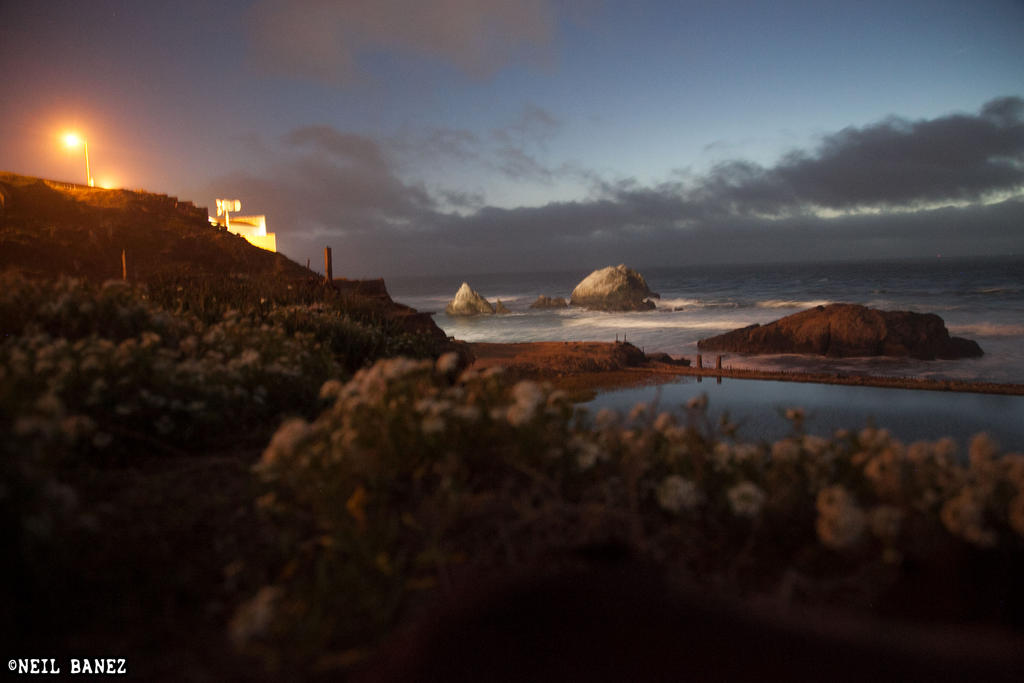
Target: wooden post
(307, 264)
(700, 362)
(124, 265)
(328, 267)
(718, 362)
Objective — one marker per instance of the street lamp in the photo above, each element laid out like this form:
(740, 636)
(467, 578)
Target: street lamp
(72, 140)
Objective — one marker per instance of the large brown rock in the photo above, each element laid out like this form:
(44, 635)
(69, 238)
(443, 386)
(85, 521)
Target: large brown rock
(843, 330)
(615, 288)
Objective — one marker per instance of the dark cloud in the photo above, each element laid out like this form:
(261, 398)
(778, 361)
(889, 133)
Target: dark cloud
(327, 182)
(339, 189)
(324, 39)
(354, 150)
(892, 163)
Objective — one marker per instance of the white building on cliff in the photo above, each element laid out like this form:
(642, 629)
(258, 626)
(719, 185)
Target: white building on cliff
(252, 228)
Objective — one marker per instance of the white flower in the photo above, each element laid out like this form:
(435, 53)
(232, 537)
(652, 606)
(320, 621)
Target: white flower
(722, 456)
(331, 389)
(841, 522)
(557, 397)
(588, 453)
(743, 452)
(964, 516)
(469, 413)
(745, 499)
(885, 521)
(528, 397)
(664, 422)
(945, 449)
(885, 472)
(285, 440)
(982, 451)
(253, 618)
(871, 437)
(448, 363)
(432, 424)
(249, 357)
(149, 339)
(638, 412)
(815, 445)
(786, 450)
(841, 529)
(676, 493)
(832, 498)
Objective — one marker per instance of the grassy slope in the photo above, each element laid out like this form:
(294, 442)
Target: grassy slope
(155, 583)
(48, 229)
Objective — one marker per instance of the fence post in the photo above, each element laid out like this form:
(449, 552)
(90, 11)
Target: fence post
(718, 362)
(328, 266)
(700, 361)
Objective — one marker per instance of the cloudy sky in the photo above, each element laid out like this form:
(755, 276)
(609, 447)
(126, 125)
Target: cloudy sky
(466, 136)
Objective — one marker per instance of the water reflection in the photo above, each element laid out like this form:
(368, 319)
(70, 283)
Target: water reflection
(911, 415)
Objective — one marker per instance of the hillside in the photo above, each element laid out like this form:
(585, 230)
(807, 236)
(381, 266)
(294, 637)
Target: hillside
(49, 229)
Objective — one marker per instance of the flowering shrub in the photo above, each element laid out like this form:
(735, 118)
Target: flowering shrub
(92, 373)
(104, 370)
(414, 476)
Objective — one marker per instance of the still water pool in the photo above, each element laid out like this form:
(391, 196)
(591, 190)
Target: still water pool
(911, 415)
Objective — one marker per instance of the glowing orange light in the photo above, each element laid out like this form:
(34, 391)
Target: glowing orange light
(73, 140)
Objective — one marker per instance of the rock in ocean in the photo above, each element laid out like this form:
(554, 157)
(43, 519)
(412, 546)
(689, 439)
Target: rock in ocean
(845, 330)
(544, 301)
(615, 288)
(468, 301)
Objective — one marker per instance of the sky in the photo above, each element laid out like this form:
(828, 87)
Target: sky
(472, 136)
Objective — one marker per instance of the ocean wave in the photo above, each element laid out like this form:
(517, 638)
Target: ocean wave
(785, 303)
(618, 321)
(673, 304)
(988, 330)
(1006, 289)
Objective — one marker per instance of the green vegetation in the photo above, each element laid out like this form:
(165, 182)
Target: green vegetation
(220, 475)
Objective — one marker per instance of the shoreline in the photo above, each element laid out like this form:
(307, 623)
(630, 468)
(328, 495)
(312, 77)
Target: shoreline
(586, 368)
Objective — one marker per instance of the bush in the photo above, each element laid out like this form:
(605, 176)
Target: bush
(413, 478)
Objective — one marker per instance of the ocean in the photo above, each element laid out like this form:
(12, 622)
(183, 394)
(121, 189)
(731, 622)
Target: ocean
(978, 298)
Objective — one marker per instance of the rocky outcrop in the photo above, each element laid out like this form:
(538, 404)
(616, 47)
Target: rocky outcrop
(500, 307)
(468, 301)
(543, 301)
(615, 288)
(844, 330)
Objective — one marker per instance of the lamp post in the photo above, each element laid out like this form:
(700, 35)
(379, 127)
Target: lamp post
(72, 140)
